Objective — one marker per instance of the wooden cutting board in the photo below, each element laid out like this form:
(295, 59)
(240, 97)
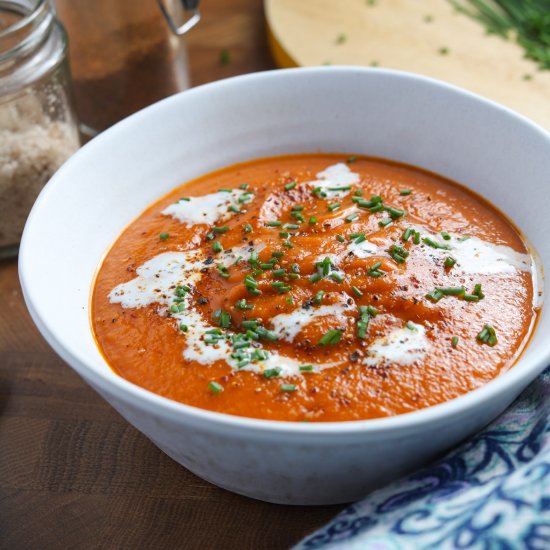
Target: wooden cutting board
(423, 36)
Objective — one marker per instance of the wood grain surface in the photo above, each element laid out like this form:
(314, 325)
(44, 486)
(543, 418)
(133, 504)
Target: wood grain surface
(74, 474)
(427, 37)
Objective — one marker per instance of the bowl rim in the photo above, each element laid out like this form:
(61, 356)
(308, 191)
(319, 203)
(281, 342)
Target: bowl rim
(110, 382)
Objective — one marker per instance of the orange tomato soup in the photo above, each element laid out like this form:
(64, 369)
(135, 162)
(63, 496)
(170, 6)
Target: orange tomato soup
(315, 287)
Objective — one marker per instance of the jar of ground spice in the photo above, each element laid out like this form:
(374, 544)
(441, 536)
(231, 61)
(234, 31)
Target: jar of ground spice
(38, 129)
(125, 55)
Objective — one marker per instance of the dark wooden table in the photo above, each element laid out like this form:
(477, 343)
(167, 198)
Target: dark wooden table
(74, 474)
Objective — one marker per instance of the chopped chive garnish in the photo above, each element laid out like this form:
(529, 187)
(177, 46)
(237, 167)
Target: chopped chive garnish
(290, 186)
(289, 301)
(471, 298)
(224, 319)
(318, 298)
(242, 304)
(454, 341)
(358, 193)
(385, 222)
(267, 334)
(222, 229)
(394, 212)
(333, 336)
(337, 276)
(339, 238)
(234, 209)
(284, 234)
(291, 226)
(295, 268)
(341, 188)
(272, 373)
(214, 387)
(225, 190)
(449, 262)
(416, 236)
(297, 216)
(406, 234)
(434, 295)
(177, 308)
(183, 327)
(246, 197)
(278, 254)
(398, 253)
(186, 199)
(446, 236)
(250, 324)
(288, 244)
(375, 272)
(288, 387)
(376, 208)
(223, 271)
(478, 292)
(306, 368)
(434, 244)
(452, 290)
(404, 192)
(252, 335)
(279, 272)
(312, 220)
(253, 260)
(487, 336)
(217, 247)
(334, 206)
(365, 315)
(181, 291)
(351, 217)
(163, 236)
(243, 186)
(356, 291)
(315, 277)
(351, 159)
(250, 281)
(274, 223)
(438, 293)
(251, 285)
(247, 228)
(297, 208)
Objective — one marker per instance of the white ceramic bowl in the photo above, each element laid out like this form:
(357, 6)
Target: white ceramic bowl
(376, 112)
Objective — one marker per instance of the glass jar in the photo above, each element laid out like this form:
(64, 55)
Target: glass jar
(38, 128)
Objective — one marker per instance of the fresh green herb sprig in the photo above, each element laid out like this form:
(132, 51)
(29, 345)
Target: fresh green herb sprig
(526, 21)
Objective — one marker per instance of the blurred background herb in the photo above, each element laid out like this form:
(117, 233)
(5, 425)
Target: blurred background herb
(525, 21)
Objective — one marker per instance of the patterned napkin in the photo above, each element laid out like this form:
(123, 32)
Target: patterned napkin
(493, 492)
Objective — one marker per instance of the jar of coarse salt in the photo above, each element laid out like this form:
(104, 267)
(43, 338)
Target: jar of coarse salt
(38, 128)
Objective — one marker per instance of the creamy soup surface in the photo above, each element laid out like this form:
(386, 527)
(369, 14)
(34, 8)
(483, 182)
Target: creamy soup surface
(315, 287)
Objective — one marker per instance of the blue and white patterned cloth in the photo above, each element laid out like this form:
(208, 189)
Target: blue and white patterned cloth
(493, 492)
